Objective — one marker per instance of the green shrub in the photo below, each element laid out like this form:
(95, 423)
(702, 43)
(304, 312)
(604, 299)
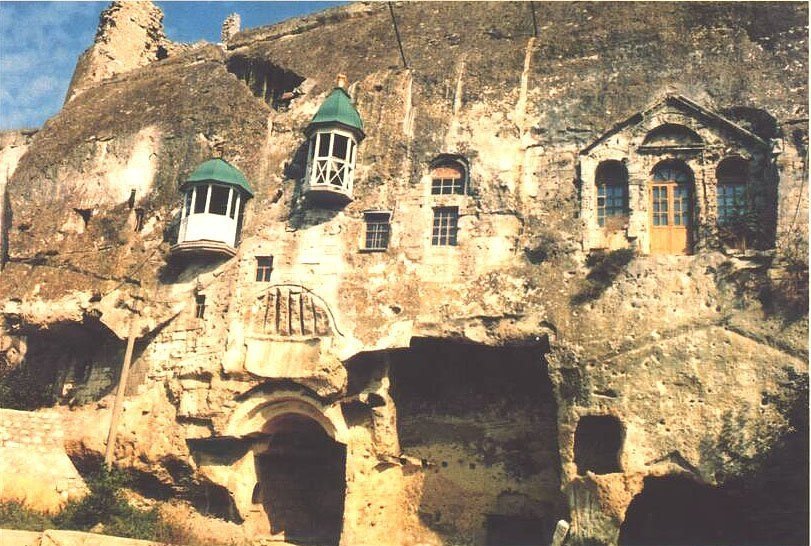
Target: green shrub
(13, 515)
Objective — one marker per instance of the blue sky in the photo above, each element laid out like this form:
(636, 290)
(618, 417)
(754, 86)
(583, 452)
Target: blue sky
(41, 41)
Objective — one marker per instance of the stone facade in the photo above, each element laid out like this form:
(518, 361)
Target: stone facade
(467, 393)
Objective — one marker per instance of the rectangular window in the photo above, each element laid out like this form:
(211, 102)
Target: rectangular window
(446, 221)
(200, 199)
(612, 200)
(378, 226)
(187, 204)
(264, 265)
(731, 203)
(219, 200)
(660, 208)
(447, 186)
(199, 306)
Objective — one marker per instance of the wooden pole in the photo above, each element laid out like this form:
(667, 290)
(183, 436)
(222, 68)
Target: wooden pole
(534, 21)
(397, 34)
(122, 387)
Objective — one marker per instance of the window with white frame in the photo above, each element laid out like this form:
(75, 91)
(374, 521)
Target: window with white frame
(332, 159)
(446, 224)
(378, 228)
(211, 199)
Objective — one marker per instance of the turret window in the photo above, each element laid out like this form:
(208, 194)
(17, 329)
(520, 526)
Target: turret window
(334, 162)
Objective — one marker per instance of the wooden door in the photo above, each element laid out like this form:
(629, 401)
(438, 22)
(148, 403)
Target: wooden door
(670, 217)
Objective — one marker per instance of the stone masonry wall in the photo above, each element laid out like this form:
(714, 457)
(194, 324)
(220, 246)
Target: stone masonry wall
(36, 469)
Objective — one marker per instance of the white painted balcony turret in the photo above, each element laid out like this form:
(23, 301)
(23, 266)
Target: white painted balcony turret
(334, 134)
(213, 209)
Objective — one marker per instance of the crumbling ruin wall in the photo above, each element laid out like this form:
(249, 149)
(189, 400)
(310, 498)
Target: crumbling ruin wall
(700, 340)
(130, 35)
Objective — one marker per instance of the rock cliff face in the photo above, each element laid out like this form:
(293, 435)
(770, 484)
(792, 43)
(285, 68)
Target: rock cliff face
(554, 363)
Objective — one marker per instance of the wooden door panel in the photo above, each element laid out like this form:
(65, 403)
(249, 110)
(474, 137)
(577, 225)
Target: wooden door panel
(670, 218)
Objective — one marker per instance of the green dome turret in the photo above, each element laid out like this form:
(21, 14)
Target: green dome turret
(218, 171)
(337, 109)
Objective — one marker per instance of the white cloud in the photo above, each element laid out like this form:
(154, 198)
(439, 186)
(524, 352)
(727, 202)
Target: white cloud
(39, 45)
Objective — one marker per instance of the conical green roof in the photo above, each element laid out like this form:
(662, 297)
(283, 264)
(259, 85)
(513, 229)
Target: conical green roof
(218, 170)
(337, 108)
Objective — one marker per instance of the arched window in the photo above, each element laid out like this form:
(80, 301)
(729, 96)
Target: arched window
(448, 175)
(732, 175)
(612, 192)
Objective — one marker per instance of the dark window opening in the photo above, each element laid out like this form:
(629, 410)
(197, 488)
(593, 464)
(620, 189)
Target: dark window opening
(340, 145)
(200, 199)
(274, 85)
(199, 306)
(219, 200)
(187, 202)
(85, 214)
(323, 144)
(139, 219)
(611, 179)
(131, 200)
(161, 53)
(736, 218)
(446, 225)
(597, 444)
(377, 230)
(264, 266)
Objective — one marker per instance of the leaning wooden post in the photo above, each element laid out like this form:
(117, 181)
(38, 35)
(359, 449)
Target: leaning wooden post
(122, 387)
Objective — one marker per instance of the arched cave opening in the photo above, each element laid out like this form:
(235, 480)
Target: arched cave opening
(302, 481)
(597, 444)
(677, 511)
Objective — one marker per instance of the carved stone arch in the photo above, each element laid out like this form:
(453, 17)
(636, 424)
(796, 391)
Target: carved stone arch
(672, 135)
(253, 414)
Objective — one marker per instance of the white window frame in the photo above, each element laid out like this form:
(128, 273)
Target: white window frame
(322, 168)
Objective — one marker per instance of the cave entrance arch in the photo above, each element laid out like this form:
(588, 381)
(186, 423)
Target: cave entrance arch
(301, 480)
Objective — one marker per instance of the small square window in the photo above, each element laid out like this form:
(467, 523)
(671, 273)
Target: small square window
(264, 265)
(378, 227)
(199, 306)
(446, 224)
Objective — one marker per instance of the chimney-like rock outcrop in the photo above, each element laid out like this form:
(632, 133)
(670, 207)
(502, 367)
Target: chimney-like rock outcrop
(130, 35)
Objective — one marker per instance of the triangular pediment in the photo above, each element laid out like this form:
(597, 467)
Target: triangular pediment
(677, 111)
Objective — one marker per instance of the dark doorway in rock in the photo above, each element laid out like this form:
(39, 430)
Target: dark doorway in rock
(302, 481)
(675, 510)
(516, 531)
(597, 444)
